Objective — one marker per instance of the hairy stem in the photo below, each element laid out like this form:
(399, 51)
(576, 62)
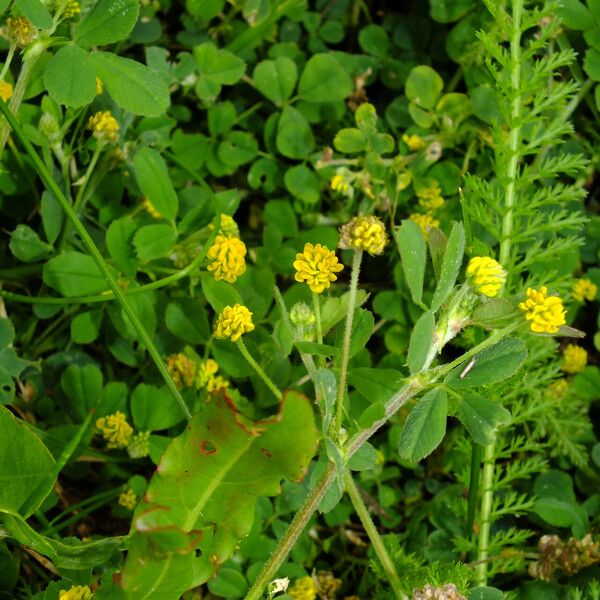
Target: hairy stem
(376, 541)
(336, 424)
(259, 370)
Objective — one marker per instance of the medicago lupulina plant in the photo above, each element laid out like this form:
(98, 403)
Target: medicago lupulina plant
(258, 386)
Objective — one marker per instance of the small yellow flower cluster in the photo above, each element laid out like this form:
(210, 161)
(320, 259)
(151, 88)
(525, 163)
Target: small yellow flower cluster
(19, 30)
(149, 208)
(182, 369)
(303, 589)
(104, 126)
(364, 233)
(72, 9)
(574, 359)
(317, 266)
(546, 313)
(227, 258)
(115, 430)
(6, 90)
(208, 378)
(424, 221)
(584, 289)
(234, 322)
(99, 86)
(139, 445)
(486, 275)
(414, 142)
(128, 499)
(557, 389)
(339, 184)
(77, 592)
(227, 226)
(430, 198)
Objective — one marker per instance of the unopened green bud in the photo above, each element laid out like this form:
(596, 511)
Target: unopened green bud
(302, 316)
(139, 446)
(50, 128)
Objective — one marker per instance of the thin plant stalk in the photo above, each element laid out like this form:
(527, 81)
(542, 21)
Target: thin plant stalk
(92, 249)
(259, 370)
(376, 541)
(336, 424)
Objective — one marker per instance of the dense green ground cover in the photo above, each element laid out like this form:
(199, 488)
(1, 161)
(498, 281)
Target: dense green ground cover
(298, 299)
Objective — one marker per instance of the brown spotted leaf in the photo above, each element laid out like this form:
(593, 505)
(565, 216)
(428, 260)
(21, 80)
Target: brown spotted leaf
(200, 503)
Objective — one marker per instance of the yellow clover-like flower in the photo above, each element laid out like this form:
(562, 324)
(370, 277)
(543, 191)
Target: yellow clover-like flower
(424, 221)
(6, 91)
(574, 359)
(216, 382)
(104, 126)
(339, 184)
(208, 378)
(546, 313)
(364, 233)
(414, 142)
(128, 499)
(227, 258)
(430, 198)
(234, 322)
(19, 30)
(72, 9)
(227, 226)
(77, 592)
(182, 369)
(303, 589)
(317, 266)
(115, 430)
(486, 275)
(584, 289)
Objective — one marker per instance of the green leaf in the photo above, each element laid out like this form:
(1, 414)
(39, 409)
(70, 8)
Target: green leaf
(485, 593)
(132, 85)
(326, 390)
(424, 86)
(154, 408)
(108, 22)
(11, 365)
(276, 79)
(559, 513)
(153, 178)
(350, 140)
(82, 387)
(219, 294)
(316, 348)
(70, 78)
(482, 417)
(413, 253)
(201, 501)
(362, 330)
(36, 12)
(373, 39)
(85, 327)
(450, 266)
(216, 67)
(295, 138)
(324, 80)
(119, 242)
(575, 15)
(26, 245)
(493, 312)
(186, 318)
(363, 459)
(52, 216)
(154, 241)
(229, 583)
(74, 274)
(24, 463)
(420, 342)
(303, 183)
(376, 385)
(591, 64)
(425, 426)
(437, 248)
(490, 366)
(448, 11)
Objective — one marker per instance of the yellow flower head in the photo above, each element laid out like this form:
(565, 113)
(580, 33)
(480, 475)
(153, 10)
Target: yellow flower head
(339, 184)
(414, 142)
(364, 233)
(233, 322)
(6, 91)
(584, 289)
(574, 359)
(303, 589)
(149, 208)
(227, 258)
(227, 227)
(19, 30)
(128, 499)
(546, 313)
(317, 266)
(99, 86)
(104, 126)
(430, 198)
(486, 275)
(72, 9)
(206, 370)
(557, 389)
(77, 592)
(139, 445)
(115, 430)
(424, 221)
(182, 369)
(216, 382)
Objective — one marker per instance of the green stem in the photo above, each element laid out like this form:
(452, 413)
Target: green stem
(336, 424)
(487, 495)
(317, 306)
(259, 370)
(473, 487)
(91, 247)
(376, 541)
(109, 295)
(9, 57)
